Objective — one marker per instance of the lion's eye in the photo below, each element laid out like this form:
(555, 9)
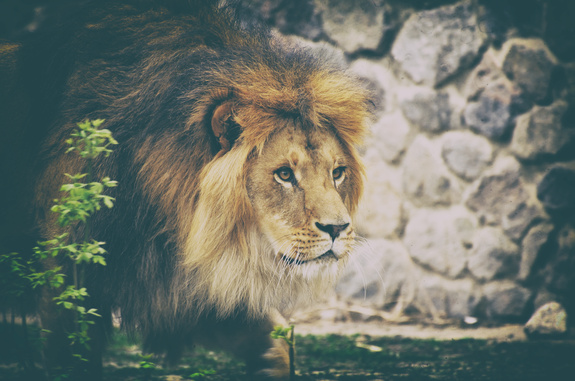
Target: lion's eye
(285, 174)
(338, 173)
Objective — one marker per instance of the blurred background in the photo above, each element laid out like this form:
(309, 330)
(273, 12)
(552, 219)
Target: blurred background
(468, 215)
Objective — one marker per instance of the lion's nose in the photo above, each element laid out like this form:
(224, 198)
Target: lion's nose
(332, 230)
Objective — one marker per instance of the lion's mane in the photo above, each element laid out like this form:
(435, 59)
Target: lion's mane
(182, 238)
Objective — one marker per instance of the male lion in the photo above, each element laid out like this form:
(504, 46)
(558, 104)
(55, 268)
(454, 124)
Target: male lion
(237, 170)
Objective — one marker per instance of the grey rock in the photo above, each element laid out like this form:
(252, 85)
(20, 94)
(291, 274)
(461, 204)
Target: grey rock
(493, 100)
(435, 44)
(391, 135)
(505, 299)
(531, 246)
(356, 25)
(466, 154)
(430, 296)
(462, 298)
(427, 109)
(559, 273)
(569, 70)
(540, 132)
(495, 23)
(426, 179)
(380, 213)
(557, 188)
(482, 76)
(447, 298)
(493, 255)
(516, 222)
(543, 297)
(299, 17)
(501, 198)
(549, 320)
(440, 239)
(379, 80)
(377, 274)
(529, 64)
(493, 113)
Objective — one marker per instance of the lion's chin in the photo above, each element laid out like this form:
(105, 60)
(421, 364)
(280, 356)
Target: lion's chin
(328, 256)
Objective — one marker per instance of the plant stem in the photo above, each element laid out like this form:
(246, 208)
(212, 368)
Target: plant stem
(292, 354)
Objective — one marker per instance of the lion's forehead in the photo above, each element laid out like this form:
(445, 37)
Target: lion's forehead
(307, 150)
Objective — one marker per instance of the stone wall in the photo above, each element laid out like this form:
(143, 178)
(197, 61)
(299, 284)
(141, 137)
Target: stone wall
(471, 180)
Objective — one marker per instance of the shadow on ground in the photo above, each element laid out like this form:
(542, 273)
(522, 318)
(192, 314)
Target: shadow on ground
(337, 357)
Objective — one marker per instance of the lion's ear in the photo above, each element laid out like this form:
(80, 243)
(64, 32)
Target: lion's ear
(224, 128)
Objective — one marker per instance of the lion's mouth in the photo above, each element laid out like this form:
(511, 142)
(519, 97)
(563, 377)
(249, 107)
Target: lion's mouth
(327, 255)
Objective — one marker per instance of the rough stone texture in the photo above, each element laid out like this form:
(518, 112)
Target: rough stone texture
(557, 188)
(391, 135)
(426, 179)
(434, 44)
(380, 212)
(516, 222)
(494, 111)
(441, 297)
(426, 108)
(494, 101)
(439, 239)
(549, 320)
(377, 274)
(466, 154)
(529, 63)
(543, 297)
(355, 25)
(493, 255)
(501, 198)
(462, 298)
(505, 299)
(532, 243)
(378, 80)
(484, 75)
(560, 270)
(457, 103)
(430, 295)
(569, 70)
(300, 17)
(540, 132)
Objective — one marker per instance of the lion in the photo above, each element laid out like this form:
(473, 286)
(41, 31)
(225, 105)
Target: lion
(237, 166)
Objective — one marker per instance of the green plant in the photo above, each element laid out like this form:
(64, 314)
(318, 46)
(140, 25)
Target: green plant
(287, 334)
(201, 374)
(79, 202)
(147, 367)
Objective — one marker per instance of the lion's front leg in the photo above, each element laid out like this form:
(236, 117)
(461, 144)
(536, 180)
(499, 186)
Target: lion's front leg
(265, 358)
(272, 360)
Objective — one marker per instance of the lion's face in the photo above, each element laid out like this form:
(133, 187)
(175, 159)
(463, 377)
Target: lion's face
(297, 187)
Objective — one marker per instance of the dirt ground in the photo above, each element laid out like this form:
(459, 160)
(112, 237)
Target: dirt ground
(413, 331)
(340, 318)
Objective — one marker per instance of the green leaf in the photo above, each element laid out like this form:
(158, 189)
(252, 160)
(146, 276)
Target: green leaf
(108, 202)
